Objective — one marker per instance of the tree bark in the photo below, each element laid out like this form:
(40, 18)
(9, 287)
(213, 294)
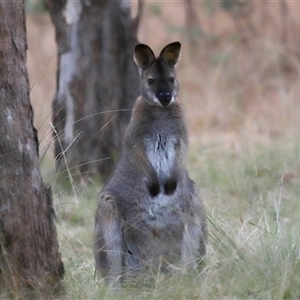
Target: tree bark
(29, 252)
(97, 81)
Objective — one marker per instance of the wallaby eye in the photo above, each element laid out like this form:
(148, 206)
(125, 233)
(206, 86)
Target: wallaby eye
(150, 81)
(172, 79)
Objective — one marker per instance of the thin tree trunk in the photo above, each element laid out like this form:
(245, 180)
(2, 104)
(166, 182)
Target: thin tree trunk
(29, 252)
(284, 21)
(193, 24)
(97, 81)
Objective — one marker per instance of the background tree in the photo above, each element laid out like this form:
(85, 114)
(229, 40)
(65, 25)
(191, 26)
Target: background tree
(29, 252)
(97, 81)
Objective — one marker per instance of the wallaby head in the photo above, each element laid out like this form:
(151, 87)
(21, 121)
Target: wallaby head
(158, 78)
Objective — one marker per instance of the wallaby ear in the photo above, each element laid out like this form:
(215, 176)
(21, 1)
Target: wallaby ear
(171, 53)
(143, 56)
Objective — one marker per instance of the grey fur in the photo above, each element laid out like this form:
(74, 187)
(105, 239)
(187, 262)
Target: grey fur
(149, 214)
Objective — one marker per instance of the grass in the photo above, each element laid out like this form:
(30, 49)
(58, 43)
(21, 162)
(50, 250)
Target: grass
(256, 178)
(253, 248)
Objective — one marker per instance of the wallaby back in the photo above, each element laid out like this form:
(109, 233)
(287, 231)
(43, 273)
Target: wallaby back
(149, 214)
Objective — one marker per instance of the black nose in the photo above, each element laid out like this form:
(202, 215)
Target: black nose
(164, 98)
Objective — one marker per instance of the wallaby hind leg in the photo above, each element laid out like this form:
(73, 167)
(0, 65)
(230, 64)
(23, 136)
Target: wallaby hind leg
(108, 239)
(195, 231)
(194, 242)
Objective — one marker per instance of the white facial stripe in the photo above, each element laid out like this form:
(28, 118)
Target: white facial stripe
(155, 99)
(172, 100)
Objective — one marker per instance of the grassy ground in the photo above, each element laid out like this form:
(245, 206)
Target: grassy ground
(253, 250)
(240, 89)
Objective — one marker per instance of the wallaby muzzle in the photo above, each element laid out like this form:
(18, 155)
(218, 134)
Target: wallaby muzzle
(163, 94)
(164, 98)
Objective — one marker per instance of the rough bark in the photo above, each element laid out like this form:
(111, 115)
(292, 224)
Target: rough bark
(97, 81)
(29, 252)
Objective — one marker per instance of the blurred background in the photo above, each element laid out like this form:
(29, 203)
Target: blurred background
(239, 71)
(239, 77)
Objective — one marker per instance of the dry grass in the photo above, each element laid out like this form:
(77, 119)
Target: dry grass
(240, 87)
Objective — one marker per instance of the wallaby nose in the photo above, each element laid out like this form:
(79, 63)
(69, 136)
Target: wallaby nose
(164, 98)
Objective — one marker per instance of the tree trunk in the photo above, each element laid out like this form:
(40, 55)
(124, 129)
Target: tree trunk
(97, 81)
(29, 252)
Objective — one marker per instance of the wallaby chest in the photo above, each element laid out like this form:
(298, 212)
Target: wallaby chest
(161, 152)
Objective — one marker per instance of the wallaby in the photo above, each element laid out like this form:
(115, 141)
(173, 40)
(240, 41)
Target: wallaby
(149, 214)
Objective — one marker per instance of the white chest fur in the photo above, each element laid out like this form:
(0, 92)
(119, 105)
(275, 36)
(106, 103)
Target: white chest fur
(161, 154)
